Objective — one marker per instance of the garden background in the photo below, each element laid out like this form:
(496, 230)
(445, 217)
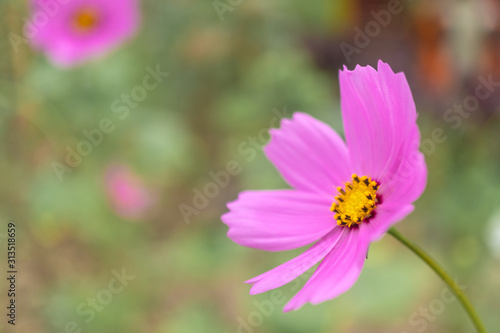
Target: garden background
(234, 69)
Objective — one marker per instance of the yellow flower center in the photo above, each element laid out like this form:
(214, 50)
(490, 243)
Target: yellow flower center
(85, 20)
(356, 202)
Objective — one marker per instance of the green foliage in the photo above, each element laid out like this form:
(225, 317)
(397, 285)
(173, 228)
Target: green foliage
(227, 79)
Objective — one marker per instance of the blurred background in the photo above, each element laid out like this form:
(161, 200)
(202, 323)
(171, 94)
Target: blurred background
(119, 238)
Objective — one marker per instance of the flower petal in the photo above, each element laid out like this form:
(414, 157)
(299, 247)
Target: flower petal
(309, 154)
(386, 216)
(338, 271)
(291, 269)
(380, 125)
(65, 45)
(278, 220)
(408, 183)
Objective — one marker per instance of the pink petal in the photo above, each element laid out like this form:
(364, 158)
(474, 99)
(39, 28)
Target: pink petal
(381, 131)
(127, 192)
(291, 269)
(408, 183)
(278, 220)
(336, 273)
(66, 46)
(309, 154)
(386, 216)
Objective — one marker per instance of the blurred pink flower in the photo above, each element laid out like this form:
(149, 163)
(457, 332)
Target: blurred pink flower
(128, 195)
(382, 148)
(77, 30)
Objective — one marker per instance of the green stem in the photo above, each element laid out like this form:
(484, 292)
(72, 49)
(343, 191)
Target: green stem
(443, 275)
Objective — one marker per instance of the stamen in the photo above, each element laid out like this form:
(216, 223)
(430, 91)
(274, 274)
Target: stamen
(85, 20)
(356, 202)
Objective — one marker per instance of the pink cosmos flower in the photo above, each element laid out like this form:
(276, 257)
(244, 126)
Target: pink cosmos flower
(70, 32)
(128, 195)
(345, 195)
